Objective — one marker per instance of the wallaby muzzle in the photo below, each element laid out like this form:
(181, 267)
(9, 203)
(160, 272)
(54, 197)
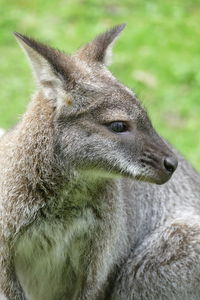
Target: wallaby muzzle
(156, 161)
(167, 166)
(170, 163)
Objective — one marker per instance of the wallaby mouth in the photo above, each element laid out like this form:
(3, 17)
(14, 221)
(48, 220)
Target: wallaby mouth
(157, 169)
(166, 170)
(158, 161)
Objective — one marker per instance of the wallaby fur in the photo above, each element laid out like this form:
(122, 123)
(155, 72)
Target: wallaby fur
(82, 216)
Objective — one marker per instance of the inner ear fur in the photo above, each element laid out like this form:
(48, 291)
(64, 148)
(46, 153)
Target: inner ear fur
(44, 59)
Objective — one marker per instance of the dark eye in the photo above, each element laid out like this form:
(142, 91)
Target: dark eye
(119, 126)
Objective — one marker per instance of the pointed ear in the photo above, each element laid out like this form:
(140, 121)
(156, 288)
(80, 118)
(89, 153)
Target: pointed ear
(46, 63)
(100, 49)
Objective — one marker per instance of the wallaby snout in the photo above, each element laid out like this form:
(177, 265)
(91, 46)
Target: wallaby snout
(170, 164)
(156, 162)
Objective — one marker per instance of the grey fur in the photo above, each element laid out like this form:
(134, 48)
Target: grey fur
(79, 219)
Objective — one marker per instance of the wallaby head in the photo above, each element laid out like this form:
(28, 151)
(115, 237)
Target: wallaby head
(98, 123)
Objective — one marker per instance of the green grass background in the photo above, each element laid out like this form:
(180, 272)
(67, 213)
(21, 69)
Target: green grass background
(158, 56)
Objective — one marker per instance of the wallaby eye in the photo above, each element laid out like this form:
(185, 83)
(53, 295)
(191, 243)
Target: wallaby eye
(118, 126)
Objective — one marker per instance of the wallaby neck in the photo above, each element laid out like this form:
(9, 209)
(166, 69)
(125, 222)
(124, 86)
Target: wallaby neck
(35, 145)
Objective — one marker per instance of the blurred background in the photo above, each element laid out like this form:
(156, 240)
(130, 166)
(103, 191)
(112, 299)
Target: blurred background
(157, 55)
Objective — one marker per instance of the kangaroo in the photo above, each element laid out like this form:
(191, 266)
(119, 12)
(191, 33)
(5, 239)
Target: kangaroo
(85, 213)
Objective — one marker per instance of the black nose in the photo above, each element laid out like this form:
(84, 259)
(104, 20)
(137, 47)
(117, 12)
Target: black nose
(170, 163)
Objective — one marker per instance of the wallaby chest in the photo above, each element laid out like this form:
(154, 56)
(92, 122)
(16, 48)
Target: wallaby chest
(48, 256)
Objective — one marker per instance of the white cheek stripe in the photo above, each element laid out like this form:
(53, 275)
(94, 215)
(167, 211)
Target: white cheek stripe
(133, 169)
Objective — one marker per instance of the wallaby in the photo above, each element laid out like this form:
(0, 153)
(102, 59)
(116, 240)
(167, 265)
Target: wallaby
(83, 213)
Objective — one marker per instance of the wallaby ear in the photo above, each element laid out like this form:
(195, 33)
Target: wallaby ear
(46, 62)
(100, 49)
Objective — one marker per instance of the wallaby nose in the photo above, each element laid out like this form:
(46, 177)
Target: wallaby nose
(170, 163)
